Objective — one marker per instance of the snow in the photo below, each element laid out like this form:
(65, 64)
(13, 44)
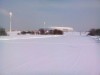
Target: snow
(68, 54)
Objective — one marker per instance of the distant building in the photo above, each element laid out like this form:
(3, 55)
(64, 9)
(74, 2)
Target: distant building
(65, 29)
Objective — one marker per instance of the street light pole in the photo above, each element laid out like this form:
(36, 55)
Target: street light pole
(44, 24)
(10, 13)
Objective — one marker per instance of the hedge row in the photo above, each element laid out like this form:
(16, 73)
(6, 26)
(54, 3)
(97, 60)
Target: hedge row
(44, 32)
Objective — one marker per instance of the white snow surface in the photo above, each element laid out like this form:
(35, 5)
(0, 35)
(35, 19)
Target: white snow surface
(68, 54)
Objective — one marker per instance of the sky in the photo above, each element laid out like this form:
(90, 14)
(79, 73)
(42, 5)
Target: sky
(81, 15)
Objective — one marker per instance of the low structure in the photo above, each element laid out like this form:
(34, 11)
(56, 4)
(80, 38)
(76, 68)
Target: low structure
(65, 29)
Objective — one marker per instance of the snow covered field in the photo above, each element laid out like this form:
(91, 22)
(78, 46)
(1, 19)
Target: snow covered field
(69, 54)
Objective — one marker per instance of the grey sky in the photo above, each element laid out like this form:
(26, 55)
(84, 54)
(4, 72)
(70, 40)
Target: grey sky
(28, 14)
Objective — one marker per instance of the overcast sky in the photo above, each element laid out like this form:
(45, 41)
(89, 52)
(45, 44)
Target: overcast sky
(28, 14)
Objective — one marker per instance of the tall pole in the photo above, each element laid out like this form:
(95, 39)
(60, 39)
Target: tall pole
(44, 24)
(10, 13)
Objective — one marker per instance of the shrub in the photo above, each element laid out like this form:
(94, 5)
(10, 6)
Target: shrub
(41, 31)
(98, 32)
(57, 32)
(2, 32)
(23, 32)
(94, 32)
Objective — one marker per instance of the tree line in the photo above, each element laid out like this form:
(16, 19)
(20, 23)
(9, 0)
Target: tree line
(43, 32)
(38, 32)
(92, 32)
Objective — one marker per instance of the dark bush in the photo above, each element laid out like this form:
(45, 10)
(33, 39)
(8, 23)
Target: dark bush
(57, 32)
(41, 31)
(30, 32)
(94, 32)
(27, 32)
(98, 32)
(50, 32)
(2, 32)
(23, 32)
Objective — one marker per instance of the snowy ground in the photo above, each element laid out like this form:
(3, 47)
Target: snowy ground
(69, 54)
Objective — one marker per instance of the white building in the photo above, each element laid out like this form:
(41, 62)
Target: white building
(65, 29)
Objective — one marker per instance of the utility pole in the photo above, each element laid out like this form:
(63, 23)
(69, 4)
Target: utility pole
(10, 13)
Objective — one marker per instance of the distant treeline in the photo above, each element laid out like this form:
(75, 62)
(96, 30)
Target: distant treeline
(2, 32)
(94, 32)
(38, 32)
(43, 32)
